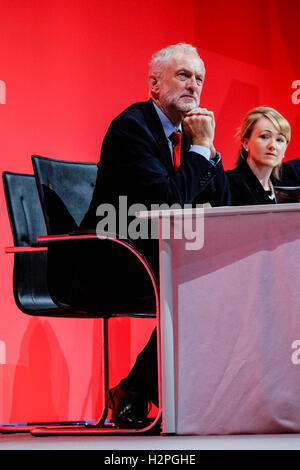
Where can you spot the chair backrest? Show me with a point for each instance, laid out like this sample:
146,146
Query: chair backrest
24,209
89,275
65,189
27,222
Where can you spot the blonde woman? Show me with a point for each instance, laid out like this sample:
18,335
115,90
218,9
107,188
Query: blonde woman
264,136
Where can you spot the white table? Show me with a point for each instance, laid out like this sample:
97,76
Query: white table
230,320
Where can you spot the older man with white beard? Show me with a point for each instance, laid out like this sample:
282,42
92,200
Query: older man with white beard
158,152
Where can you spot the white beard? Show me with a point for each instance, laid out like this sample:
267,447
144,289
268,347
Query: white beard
180,104
185,107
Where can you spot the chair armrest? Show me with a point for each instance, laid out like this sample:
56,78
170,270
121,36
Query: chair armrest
24,249
46,239
76,235
127,244
43,240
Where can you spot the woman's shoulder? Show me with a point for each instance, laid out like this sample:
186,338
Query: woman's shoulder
239,173
244,186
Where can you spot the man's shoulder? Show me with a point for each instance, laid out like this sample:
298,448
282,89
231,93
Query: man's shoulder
135,111
138,118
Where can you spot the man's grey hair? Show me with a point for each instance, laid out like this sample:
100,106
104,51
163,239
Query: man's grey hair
160,59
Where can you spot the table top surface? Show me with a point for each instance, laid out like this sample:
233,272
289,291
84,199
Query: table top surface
219,211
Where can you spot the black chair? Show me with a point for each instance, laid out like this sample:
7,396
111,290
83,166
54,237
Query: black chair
121,282
30,285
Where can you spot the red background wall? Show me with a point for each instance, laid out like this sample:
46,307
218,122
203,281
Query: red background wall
69,67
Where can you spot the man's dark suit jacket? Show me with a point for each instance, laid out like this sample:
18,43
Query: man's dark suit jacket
136,162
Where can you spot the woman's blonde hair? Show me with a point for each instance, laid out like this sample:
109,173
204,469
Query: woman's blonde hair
248,124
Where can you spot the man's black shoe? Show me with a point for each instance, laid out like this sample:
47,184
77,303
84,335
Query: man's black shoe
129,409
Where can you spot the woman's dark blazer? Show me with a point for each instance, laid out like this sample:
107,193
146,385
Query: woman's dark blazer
245,187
